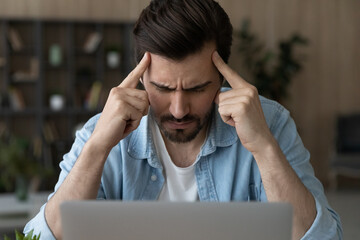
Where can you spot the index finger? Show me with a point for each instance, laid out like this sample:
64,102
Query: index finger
230,75
134,76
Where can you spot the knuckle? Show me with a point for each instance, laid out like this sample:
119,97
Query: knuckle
246,100
119,105
252,91
113,91
255,89
243,107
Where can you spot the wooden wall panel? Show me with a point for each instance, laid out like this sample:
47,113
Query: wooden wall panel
329,84
349,55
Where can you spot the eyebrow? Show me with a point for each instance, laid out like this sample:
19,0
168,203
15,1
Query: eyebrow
202,85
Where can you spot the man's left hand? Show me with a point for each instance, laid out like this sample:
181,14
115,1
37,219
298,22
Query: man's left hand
240,107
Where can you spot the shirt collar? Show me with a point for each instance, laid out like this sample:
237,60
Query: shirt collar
220,135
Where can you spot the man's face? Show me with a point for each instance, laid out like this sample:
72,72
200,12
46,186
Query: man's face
181,93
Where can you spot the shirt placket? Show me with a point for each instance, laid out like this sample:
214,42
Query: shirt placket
205,182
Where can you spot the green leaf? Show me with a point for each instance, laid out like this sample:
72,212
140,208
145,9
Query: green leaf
29,235
19,236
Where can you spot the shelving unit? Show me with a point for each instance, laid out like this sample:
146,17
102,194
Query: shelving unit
73,77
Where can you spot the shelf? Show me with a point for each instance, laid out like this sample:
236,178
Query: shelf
25,51
82,111
23,81
62,67
79,51
49,112
74,77
70,111
4,112
117,69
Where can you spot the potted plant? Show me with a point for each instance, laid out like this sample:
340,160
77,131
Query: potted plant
18,166
20,236
113,56
57,100
270,71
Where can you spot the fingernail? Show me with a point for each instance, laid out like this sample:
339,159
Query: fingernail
216,54
145,56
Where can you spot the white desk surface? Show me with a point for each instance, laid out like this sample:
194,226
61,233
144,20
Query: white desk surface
15,214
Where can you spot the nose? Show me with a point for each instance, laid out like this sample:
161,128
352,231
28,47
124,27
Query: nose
179,106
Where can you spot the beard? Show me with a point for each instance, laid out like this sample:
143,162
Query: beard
182,135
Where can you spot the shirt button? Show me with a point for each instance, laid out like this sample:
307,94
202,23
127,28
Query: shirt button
153,178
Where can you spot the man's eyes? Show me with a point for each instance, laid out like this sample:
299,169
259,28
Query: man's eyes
165,89
196,90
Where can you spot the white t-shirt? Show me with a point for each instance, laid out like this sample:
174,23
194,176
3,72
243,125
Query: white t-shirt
180,183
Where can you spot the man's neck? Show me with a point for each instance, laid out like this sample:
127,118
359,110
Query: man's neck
184,154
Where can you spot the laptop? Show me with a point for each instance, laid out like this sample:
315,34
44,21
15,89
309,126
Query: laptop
94,220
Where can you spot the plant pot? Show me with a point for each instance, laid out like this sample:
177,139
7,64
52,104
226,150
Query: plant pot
113,59
57,102
21,188
55,55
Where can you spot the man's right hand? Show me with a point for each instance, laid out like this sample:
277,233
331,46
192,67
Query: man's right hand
122,113
123,110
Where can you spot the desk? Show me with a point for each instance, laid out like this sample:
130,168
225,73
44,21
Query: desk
15,214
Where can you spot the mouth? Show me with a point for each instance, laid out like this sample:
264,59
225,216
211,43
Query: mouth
178,124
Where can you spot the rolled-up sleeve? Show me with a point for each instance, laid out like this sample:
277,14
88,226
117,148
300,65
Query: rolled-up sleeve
38,224
327,224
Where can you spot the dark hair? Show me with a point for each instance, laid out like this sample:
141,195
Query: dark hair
178,28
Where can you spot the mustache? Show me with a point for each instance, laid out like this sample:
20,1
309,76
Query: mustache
187,118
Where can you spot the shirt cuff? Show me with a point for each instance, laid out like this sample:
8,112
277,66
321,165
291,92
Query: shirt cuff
325,226
40,226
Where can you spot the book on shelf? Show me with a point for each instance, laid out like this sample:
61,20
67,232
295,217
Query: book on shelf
15,40
17,101
50,132
94,96
37,146
92,42
29,75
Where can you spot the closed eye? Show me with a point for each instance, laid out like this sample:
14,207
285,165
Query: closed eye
163,89
196,89
200,89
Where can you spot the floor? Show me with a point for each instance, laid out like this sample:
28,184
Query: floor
347,204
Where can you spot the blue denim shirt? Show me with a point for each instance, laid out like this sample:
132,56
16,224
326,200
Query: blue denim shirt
225,170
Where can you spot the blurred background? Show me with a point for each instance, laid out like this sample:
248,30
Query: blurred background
58,60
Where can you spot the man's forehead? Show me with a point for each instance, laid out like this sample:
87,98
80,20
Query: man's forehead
194,69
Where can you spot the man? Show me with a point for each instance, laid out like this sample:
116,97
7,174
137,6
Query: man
182,138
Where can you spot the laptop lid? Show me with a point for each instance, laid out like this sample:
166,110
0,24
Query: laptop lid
94,220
